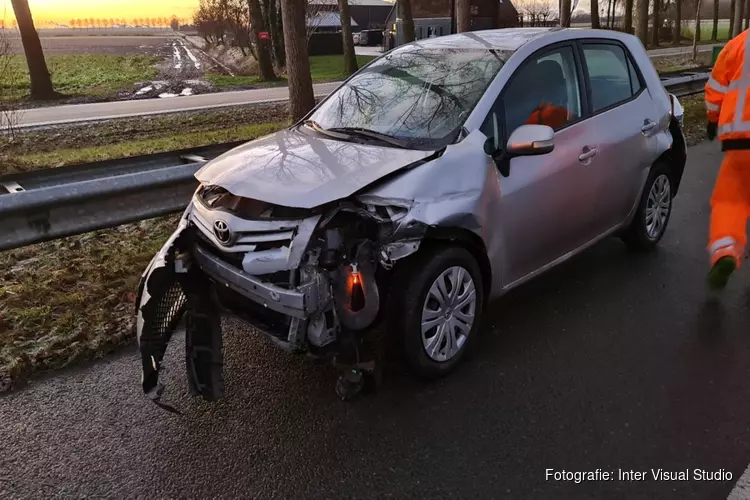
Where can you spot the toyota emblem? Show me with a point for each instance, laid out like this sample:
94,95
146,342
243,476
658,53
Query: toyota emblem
222,232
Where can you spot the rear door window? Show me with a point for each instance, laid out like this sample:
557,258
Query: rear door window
612,77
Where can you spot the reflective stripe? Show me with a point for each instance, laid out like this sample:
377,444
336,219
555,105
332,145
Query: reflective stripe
712,107
742,84
722,243
733,127
717,86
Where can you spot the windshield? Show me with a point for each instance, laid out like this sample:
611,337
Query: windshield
416,95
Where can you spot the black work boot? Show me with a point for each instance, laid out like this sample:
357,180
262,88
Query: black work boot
719,274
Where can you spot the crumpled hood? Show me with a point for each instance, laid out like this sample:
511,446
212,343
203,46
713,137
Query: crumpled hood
295,169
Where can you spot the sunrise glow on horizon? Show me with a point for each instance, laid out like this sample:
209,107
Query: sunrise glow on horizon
61,11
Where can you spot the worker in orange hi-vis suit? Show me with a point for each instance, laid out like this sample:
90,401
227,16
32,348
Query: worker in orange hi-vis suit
548,114
728,113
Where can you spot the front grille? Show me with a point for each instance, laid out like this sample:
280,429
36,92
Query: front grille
232,258
169,309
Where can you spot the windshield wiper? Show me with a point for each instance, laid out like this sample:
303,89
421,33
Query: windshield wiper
371,133
330,133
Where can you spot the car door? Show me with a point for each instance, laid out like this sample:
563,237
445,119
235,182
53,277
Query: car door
547,200
624,117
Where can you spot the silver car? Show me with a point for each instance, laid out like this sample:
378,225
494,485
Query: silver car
438,177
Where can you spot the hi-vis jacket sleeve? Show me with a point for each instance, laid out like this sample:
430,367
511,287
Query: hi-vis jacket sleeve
718,84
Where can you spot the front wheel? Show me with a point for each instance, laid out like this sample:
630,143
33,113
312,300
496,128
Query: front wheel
654,209
441,302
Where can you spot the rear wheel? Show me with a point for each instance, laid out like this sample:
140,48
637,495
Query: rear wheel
653,212
441,299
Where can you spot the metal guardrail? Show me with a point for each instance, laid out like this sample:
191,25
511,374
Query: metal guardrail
687,82
54,203
43,205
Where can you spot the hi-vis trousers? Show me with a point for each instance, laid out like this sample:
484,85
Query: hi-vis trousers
730,207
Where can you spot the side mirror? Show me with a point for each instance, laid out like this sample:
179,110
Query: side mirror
528,140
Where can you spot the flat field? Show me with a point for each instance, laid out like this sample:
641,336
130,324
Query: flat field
83,43
90,65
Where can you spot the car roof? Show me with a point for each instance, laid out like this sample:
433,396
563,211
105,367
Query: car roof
504,39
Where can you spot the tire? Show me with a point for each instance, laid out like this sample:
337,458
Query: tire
410,295
659,190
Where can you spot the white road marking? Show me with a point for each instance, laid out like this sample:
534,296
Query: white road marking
741,490
191,56
177,56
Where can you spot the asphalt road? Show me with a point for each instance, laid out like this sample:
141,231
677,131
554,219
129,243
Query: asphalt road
611,361
74,113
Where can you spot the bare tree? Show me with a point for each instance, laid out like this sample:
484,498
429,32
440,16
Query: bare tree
536,11
313,15
350,57
565,11
41,81
715,29
697,31
657,23
595,14
8,115
264,51
301,97
463,15
641,28
628,16
407,20
677,26
737,25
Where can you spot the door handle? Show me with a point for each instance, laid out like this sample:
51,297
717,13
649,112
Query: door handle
648,125
587,153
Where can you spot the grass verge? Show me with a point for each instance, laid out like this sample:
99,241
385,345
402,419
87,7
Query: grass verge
81,74
73,299
322,69
126,137
669,64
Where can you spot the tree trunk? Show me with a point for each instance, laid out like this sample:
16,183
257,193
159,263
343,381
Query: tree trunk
629,16
743,8
731,17
265,63
41,81
463,15
565,13
595,14
641,29
737,21
350,58
697,31
698,24
747,15
657,22
278,36
301,97
407,20
677,28
715,29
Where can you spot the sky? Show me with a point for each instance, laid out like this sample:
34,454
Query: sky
62,11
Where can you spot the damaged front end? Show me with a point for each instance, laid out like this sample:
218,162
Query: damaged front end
309,279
